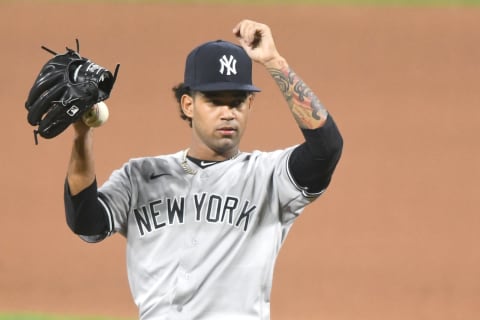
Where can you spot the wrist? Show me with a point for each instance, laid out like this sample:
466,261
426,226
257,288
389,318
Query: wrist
81,130
278,63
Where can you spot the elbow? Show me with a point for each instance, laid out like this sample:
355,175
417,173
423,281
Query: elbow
74,224
337,147
74,228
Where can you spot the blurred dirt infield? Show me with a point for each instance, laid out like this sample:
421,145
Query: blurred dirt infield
395,237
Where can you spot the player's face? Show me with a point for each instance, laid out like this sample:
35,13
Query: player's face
219,120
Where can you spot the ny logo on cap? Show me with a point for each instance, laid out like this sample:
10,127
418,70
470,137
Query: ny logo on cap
228,65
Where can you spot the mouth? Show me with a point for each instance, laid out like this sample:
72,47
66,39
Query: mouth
227,131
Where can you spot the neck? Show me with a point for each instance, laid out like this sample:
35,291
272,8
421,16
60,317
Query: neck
202,163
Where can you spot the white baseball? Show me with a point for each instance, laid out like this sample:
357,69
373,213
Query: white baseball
97,115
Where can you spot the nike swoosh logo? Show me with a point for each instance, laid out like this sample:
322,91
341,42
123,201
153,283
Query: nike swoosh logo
155,176
206,164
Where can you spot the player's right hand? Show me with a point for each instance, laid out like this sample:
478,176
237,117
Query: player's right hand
257,40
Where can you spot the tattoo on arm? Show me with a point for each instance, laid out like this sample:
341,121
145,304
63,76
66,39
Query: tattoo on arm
307,110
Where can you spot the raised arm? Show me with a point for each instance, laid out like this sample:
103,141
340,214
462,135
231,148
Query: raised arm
313,162
84,214
256,38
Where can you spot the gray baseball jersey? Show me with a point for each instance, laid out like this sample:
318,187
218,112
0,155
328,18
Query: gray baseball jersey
203,245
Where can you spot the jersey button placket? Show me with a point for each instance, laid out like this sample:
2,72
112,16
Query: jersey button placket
185,284
194,243
204,175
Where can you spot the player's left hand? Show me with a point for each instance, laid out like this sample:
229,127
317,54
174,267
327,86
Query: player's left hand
66,87
257,40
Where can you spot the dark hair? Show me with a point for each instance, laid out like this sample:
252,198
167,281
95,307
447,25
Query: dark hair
179,90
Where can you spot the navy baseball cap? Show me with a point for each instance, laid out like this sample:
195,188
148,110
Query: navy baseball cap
219,66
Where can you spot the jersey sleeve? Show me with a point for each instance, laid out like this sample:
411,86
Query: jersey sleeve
285,197
115,195
303,172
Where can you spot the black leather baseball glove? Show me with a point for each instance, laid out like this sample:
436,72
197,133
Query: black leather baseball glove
67,86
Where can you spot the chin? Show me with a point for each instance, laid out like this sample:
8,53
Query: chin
225,146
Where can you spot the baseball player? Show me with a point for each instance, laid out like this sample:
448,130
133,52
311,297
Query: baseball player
204,225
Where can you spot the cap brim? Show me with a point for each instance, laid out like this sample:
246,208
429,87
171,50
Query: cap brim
225,86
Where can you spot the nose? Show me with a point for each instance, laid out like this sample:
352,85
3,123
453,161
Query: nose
227,113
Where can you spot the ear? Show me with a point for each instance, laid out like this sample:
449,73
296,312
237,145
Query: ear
187,105
250,98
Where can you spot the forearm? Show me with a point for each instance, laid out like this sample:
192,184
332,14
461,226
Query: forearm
257,40
84,213
304,105
81,168
312,163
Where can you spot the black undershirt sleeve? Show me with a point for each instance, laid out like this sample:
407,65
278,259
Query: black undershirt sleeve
84,213
313,162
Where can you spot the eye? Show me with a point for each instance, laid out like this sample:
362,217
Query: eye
236,103
233,103
215,102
